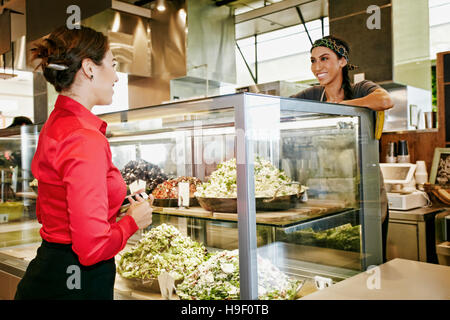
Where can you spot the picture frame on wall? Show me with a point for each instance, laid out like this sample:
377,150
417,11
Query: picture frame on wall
440,168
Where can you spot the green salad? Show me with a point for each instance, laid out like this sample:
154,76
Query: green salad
162,248
218,279
268,179
345,237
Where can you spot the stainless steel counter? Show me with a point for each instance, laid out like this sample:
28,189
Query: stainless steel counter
420,214
411,234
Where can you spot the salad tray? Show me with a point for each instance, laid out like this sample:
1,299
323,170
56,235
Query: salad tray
149,285
229,205
172,203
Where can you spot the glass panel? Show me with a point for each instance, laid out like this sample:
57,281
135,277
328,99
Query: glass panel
316,232
18,200
189,144
182,140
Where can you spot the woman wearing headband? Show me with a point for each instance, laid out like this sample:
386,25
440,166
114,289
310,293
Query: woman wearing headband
330,65
80,190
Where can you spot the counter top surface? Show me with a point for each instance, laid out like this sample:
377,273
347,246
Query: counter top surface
419,214
399,279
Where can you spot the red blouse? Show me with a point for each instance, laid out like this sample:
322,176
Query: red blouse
80,190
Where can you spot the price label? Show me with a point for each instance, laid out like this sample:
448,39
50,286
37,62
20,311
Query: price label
4,218
183,194
166,285
322,282
137,185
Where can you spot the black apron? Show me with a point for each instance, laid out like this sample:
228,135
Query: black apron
57,274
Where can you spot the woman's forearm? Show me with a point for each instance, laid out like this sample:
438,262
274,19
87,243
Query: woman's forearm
379,100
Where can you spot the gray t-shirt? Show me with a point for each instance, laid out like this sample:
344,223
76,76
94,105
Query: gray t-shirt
360,90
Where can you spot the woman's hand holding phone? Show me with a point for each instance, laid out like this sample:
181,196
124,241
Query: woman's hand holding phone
141,210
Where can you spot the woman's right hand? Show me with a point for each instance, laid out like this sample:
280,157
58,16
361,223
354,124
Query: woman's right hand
141,211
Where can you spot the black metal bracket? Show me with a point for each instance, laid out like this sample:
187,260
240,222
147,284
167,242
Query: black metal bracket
299,12
254,76
140,3
222,2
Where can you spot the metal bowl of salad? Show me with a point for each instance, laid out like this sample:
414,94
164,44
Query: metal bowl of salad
166,193
170,203
229,205
161,249
274,190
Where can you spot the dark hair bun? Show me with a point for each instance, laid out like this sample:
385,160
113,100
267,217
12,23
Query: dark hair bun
67,49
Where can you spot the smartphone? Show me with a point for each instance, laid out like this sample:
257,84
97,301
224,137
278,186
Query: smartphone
126,201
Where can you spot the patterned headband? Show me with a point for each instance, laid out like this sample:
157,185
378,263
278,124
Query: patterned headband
337,48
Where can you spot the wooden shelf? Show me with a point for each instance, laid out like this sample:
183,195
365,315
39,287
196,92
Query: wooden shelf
306,211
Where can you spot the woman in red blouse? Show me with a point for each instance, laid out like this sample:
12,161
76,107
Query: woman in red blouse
80,190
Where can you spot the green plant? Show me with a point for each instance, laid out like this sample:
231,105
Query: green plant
434,88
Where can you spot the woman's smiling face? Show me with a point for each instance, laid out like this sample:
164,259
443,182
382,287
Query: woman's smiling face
326,66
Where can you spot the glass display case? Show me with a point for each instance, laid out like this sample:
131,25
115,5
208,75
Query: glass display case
273,194
287,186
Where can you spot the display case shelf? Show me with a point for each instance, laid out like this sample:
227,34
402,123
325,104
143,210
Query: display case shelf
291,219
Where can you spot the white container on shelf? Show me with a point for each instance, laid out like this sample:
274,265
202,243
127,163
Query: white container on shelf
421,174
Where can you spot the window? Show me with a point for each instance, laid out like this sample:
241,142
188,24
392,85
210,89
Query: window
277,52
439,26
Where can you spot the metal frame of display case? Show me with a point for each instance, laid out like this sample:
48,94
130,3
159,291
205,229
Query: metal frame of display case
370,215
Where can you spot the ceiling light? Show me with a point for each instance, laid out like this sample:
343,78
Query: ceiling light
182,15
160,5
116,23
